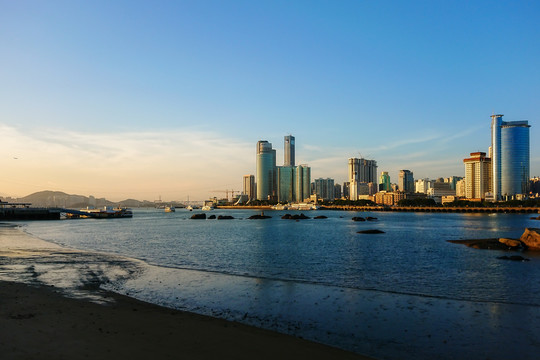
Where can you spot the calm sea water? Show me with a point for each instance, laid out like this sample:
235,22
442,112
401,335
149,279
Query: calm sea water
412,257
320,279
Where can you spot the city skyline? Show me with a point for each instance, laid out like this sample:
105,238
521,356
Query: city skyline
139,101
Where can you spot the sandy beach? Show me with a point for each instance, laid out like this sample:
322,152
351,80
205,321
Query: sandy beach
75,319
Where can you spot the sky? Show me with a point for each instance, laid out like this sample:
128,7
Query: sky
148,99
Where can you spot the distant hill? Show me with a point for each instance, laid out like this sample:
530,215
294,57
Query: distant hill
61,199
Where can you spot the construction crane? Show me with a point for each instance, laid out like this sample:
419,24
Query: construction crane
227,193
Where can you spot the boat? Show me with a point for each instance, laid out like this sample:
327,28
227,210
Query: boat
304,206
207,208
103,213
170,209
280,207
189,207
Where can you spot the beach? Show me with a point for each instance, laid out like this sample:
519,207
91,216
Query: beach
52,307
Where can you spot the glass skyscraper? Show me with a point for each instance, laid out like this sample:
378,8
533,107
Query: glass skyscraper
509,157
289,151
266,171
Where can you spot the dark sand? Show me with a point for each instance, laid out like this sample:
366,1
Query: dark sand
41,323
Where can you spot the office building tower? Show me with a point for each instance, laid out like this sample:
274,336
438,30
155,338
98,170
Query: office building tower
423,185
406,181
346,190
302,177
249,187
289,151
385,182
478,176
285,184
337,191
324,189
510,157
452,180
460,188
361,171
266,171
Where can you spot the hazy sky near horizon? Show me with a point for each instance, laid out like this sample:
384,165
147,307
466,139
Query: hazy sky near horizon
137,99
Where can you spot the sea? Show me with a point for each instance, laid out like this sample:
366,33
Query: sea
406,293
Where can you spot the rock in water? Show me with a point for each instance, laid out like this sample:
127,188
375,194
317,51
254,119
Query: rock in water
225,217
212,217
531,238
358,218
513,258
513,243
321,217
371,231
199,216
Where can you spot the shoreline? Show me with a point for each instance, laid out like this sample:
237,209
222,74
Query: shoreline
75,318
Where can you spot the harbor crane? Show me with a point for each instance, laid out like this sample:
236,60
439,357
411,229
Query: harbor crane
227,193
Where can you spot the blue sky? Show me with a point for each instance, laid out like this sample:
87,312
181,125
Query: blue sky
136,99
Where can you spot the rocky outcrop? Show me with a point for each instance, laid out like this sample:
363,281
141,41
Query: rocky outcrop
211,217
370,218
512,243
225,217
294,217
371,231
198,216
513,258
358,218
261,216
321,217
531,238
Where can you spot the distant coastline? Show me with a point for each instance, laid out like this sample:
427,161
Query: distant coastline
439,209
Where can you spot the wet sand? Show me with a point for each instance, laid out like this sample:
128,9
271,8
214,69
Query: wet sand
75,319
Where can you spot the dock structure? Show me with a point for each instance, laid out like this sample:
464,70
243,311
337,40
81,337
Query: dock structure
23,211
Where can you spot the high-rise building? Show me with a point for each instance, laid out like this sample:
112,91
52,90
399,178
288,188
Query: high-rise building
266,171
337,191
289,151
302,177
385,182
324,188
361,171
478,176
423,185
249,187
510,157
346,190
285,184
406,181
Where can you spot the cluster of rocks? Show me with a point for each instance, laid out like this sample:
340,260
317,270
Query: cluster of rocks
261,216
359,218
530,239
202,216
294,217
535,218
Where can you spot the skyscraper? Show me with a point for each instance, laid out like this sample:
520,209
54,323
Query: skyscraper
406,181
324,188
266,171
289,151
478,176
385,182
302,175
249,187
510,157
361,171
